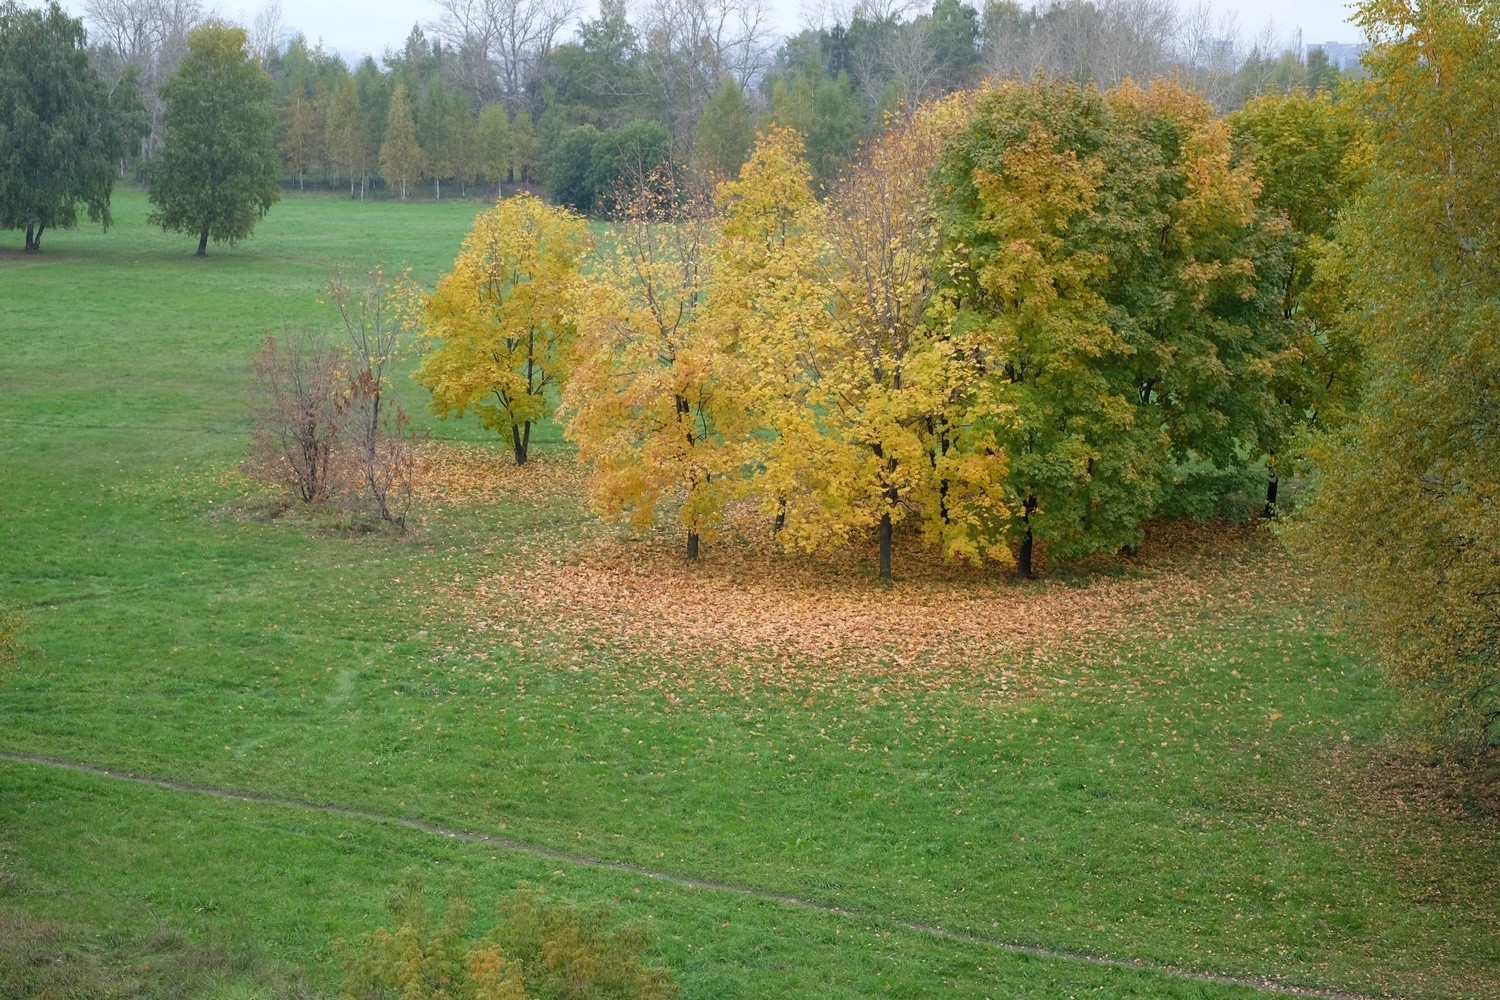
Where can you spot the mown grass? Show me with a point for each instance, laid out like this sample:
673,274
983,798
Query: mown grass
1220,792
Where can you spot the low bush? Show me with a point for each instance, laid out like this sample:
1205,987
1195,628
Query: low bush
539,949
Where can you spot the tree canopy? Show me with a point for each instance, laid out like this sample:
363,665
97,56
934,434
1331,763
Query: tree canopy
216,173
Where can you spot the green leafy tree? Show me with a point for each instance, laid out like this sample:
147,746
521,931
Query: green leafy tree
438,135
302,138
1108,263
346,136
502,318
725,133
216,173
494,144
61,133
401,157
524,149
1404,509
626,156
570,169
1307,156
826,111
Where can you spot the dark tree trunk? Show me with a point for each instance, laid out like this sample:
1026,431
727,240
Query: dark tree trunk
1271,485
36,244
1023,558
202,244
692,546
885,548
520,440
1024,568
780,521
30,236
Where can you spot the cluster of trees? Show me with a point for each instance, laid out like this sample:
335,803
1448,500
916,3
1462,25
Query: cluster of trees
1016,317
503,93
64,132
1014,320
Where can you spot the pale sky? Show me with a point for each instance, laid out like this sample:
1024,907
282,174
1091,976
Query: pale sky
355,27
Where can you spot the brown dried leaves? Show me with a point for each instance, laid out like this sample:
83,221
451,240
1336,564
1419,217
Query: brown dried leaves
750,616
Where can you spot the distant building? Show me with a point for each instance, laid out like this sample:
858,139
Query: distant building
1344,55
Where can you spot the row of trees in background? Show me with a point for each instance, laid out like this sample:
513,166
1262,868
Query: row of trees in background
498,95
521,91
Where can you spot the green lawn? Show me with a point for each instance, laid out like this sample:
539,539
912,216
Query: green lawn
1218,793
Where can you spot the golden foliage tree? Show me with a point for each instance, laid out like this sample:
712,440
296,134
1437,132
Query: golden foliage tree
868,393
646,403
502,318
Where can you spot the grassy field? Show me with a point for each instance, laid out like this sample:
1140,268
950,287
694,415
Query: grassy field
1169,762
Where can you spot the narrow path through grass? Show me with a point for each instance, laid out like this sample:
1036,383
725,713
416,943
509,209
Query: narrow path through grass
520,847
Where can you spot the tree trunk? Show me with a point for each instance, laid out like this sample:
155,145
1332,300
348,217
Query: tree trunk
1271,485
202,244
437,189
36,244
520,440
1023,558
885,548
692,546
780,521
1024,568
30,237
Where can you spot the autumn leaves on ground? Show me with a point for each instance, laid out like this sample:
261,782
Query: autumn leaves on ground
752,616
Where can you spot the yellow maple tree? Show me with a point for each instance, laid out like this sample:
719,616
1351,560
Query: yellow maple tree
645,404
502,318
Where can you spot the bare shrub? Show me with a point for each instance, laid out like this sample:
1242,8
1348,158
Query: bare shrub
321,422
295,413
381,441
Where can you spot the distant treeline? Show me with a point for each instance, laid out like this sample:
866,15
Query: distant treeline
529,92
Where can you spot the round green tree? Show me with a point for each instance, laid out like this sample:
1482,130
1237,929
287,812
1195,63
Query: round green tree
216,173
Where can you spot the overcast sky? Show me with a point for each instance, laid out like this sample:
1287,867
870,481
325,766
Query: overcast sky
355,27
